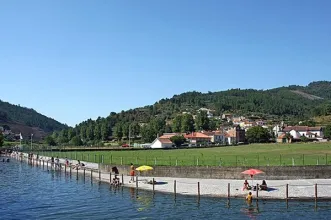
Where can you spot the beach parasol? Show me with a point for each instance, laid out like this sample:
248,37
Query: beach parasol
144,168
252,172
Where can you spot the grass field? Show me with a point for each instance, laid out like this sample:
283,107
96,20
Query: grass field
244,155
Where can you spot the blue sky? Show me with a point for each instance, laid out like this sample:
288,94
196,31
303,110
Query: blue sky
74,60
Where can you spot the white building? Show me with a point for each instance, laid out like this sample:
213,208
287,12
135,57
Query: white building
162,143
310,132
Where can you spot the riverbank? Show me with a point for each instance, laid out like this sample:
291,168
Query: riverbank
277,189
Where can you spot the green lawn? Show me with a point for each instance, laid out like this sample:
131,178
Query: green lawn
244,155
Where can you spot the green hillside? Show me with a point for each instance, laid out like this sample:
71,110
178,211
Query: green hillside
25,120
291,104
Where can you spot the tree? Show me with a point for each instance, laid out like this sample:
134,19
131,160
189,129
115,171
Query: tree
167,129
90,132
71,133
327,132
212,125
63,137
49,140
126,130
187,124
147,134
177,123
97,132
258,134
157,126
118,131
304,139
76,141
105,131
82,132
202,121
178,140
1,139
135,129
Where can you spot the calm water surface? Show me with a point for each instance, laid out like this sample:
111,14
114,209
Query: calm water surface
28,192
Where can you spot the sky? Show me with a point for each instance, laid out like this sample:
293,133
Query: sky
73,60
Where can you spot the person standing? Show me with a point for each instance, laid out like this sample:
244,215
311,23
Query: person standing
132,172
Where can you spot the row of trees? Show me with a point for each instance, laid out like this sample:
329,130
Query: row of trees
90,132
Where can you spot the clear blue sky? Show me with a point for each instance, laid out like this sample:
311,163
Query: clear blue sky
73,59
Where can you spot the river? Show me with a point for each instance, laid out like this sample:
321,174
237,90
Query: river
28,192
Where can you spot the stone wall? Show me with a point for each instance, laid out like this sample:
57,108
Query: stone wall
271,172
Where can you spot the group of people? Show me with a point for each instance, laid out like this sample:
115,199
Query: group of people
263,186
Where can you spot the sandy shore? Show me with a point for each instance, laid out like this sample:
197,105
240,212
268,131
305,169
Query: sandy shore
304,188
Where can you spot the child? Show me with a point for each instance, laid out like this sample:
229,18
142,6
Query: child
249,197
132,172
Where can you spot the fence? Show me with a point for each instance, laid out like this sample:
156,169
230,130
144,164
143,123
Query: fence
216,160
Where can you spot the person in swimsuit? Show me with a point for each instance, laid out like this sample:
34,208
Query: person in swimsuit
132,172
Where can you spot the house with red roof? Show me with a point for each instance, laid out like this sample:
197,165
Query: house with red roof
310,132
162,143
197,138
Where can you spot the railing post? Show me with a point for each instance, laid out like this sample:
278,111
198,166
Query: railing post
84,174
315,192
77,173
257,191
91,174
122,179
99,175
109,177
228,190
137,182
175,188
153,187
286,191
198,190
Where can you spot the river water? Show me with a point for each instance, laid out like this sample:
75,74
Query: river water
28,192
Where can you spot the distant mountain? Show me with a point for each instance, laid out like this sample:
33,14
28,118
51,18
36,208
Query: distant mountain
27,121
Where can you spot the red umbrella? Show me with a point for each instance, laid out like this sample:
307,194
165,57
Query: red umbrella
252,172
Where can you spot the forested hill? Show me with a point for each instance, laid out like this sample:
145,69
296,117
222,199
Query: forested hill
289,103
21,117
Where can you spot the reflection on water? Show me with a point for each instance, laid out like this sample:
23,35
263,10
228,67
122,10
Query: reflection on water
29,192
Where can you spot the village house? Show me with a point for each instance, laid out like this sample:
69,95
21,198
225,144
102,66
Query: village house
283,139
209,112
310,132
227,117
216,136
236,135
162,143
197,138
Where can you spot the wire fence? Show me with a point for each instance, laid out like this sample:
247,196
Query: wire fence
226,161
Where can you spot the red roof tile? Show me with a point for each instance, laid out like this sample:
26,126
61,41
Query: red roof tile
165,140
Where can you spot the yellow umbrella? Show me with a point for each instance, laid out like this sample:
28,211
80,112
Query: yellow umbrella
144,168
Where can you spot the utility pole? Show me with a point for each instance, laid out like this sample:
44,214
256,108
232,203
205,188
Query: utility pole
130,135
